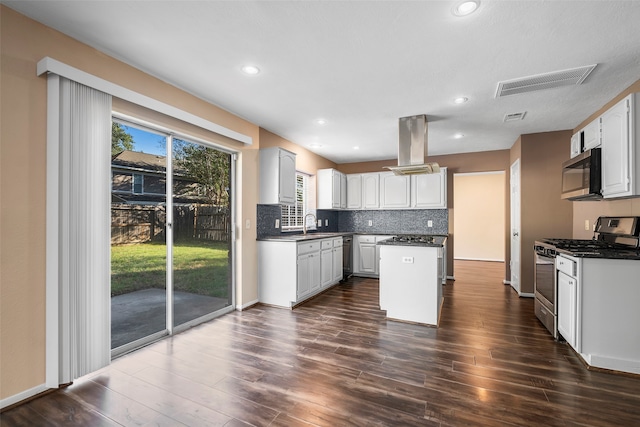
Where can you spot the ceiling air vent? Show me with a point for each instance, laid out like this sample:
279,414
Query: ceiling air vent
574,76
513,117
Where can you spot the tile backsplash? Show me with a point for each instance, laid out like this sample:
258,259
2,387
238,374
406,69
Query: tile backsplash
410,221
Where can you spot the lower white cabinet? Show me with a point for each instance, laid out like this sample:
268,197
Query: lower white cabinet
290,272
337,260
326,261
308,275
366,259
598,310
567,287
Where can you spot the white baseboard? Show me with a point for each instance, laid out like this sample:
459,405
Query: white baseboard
506,282
16,398
247,305
526,295
451,278
478,259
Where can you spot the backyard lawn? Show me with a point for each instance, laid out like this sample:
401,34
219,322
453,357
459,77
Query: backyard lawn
199,267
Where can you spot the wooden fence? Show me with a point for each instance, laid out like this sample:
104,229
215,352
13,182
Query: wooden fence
145,223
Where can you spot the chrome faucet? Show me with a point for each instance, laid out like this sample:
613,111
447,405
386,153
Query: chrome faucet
304,222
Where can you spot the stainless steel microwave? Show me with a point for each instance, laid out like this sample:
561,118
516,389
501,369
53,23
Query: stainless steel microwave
582,176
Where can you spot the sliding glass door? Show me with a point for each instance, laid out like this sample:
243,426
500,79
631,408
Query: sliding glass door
170,234
201,231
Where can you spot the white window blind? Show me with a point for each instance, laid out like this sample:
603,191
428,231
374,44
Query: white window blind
293,215
78,202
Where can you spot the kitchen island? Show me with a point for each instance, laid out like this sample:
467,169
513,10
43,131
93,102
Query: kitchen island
411,278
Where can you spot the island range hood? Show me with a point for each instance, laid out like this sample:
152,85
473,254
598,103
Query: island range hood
412,147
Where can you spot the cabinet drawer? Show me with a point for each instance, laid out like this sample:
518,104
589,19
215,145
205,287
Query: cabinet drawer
366,239
308,247
566,265
326,244
337,242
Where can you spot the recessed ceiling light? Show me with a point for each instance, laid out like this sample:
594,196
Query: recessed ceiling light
458,135
315,145
252,70
356,148
461,100
321,121
466,7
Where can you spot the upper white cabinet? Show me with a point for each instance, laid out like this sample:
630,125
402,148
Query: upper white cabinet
332,189
620,157
370,190
395,191
591,135
354,191
277,176
429,191
576,144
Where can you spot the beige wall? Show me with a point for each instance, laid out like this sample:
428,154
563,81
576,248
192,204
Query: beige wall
22,183
590,211
480,216
486,161
543,212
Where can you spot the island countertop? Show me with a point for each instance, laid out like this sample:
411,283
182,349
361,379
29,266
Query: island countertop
434,241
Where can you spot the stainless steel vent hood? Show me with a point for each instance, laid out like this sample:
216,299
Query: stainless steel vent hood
412,147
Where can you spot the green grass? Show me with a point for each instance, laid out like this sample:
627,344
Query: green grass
199,267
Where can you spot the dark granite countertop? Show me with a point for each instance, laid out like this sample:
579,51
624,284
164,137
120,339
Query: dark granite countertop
302,237
630,254
438,242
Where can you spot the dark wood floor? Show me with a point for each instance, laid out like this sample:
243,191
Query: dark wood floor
336,361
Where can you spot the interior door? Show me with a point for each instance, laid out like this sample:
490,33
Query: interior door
515,226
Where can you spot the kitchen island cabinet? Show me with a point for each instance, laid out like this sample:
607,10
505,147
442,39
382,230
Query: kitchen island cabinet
410,286
366,255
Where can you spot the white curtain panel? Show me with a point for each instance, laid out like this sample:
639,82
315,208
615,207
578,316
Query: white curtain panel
84,336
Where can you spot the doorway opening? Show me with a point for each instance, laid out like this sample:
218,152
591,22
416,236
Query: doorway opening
479,216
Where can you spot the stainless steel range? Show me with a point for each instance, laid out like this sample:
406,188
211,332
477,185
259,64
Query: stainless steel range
614,237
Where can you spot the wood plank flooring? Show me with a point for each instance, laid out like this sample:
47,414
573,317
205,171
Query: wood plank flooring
336,361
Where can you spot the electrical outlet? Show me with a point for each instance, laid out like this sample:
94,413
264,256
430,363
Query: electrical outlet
407,260
319,223
277,223
247,224
370,223
326,222
586,224
429,223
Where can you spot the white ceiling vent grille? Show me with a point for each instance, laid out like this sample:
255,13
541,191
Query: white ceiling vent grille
513,117
574,76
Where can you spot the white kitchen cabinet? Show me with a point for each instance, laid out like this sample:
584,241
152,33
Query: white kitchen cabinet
354,191
332,189
429,191
567,307
337,260
371,190
597,310
366,255
620,157
576,144
591,135
277,176
395,191
290,272
326,262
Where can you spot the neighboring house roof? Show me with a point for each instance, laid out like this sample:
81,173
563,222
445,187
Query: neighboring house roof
139,160
144,162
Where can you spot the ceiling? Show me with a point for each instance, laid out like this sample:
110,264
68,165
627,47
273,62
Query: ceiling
361,65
